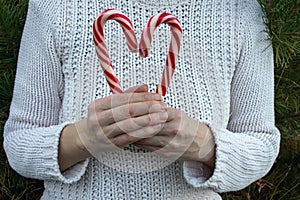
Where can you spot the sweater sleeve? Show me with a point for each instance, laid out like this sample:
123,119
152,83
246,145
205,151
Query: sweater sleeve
248,147
32,132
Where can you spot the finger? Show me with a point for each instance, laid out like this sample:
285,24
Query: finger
119,99
138,88
146,132
133,124
124,112
157,141
148,147
125,139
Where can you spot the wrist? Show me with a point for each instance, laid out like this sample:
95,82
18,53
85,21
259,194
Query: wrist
207,149
70,148
80,128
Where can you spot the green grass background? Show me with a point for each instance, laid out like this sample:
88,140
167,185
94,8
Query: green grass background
283,27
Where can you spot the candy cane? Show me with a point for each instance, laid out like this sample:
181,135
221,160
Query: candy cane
101,50
145,45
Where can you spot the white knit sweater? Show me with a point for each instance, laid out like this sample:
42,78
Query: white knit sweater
224,78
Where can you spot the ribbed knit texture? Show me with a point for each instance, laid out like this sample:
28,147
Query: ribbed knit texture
224,78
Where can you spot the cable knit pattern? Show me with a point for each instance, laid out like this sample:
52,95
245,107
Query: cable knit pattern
224,78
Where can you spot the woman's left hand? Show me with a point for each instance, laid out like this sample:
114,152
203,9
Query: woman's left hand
182,138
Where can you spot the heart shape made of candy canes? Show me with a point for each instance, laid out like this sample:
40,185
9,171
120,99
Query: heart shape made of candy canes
144,46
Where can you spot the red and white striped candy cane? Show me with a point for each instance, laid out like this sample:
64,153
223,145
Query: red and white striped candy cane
174,48
101,49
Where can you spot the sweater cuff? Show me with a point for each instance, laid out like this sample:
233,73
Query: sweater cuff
241,158
70,175
200,175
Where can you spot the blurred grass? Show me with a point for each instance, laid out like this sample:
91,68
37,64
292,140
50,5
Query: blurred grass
283,181
283,27
12,18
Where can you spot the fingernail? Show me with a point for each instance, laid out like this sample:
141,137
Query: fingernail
156,97
163,115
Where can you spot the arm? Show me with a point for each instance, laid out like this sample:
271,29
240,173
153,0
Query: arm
32,132
247,149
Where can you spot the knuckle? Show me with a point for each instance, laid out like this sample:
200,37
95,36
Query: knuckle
130,110
127,126
126,111
146,96
93,120
151,105
99,136
175,145
142,121
175,128
124,97
147,131
107,132
178,114
148,119
101,117
127,139
91,107
100,103
110,117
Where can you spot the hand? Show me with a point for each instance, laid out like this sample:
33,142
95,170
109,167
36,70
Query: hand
182,137
121,119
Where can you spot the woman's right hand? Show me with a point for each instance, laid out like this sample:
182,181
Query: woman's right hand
121,119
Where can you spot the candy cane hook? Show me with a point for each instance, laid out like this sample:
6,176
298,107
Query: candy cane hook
101,49
174,48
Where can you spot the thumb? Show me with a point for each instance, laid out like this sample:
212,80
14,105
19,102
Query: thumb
138,88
